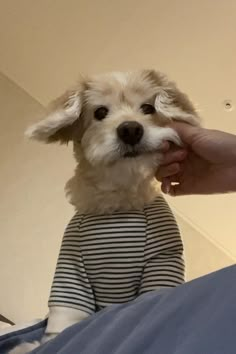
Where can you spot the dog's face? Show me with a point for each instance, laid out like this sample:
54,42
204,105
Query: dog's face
116,116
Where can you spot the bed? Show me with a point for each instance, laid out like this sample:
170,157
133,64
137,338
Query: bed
198,317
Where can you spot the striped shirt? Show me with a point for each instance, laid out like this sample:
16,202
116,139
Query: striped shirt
107,259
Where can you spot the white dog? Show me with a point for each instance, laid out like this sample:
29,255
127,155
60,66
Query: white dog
123,240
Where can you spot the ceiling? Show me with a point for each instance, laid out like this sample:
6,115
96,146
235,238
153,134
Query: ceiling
46,44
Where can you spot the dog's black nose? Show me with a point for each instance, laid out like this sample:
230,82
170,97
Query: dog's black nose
130,132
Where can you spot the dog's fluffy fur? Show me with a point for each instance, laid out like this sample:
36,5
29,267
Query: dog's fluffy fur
106,179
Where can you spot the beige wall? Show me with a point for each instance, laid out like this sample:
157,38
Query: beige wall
34,212
202,256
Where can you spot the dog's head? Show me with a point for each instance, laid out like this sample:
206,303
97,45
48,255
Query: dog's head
116,116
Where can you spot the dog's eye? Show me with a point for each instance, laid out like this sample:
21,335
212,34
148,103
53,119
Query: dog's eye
101,112
147,108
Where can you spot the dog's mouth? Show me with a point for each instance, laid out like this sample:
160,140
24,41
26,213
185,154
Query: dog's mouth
127,151
131,154
137,151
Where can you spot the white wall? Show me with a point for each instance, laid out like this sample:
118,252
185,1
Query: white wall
34,212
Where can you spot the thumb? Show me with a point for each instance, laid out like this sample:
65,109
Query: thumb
186,132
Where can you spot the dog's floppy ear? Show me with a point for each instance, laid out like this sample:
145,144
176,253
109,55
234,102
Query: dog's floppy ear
174,104
59,124
170,102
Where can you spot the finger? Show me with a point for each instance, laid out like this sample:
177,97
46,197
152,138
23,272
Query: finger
176,190
186,131
166,185
164,147
168,182
173,156
172,189
167,171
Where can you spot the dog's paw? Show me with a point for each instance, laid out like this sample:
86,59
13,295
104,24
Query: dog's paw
48,337
24,348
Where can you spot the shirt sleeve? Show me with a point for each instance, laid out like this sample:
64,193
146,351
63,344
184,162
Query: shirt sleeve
163,255
71,298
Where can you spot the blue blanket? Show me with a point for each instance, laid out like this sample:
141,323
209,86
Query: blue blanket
198,317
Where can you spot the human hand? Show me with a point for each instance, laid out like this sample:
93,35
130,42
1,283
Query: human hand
205,164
